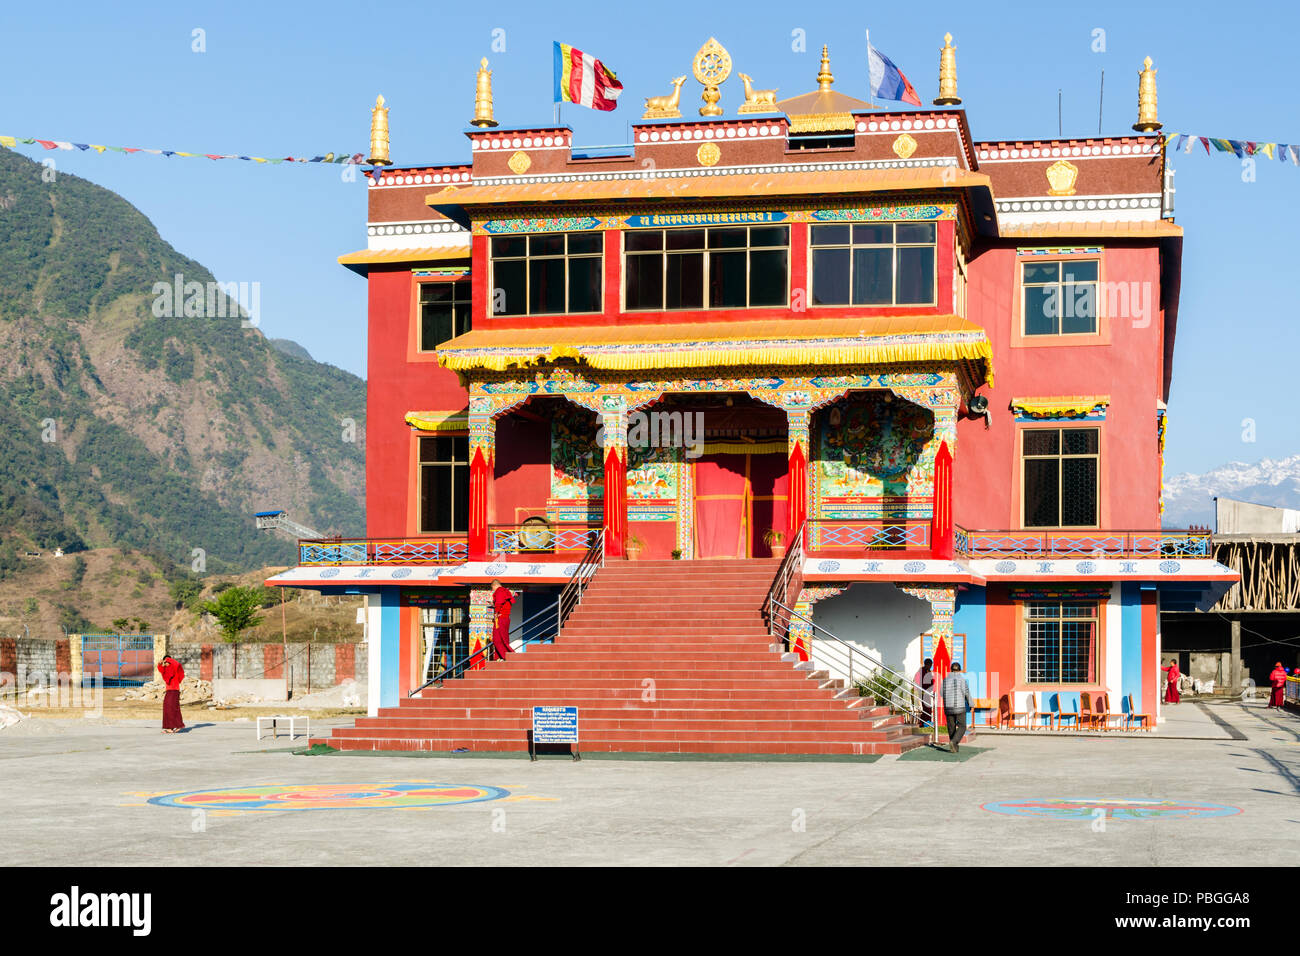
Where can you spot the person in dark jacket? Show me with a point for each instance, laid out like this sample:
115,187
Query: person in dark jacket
956,702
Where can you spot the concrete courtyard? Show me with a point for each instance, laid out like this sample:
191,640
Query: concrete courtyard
76,792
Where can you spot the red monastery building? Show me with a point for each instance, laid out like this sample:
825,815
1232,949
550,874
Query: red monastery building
758,407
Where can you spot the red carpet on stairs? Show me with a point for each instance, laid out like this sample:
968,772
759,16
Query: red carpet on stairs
660,656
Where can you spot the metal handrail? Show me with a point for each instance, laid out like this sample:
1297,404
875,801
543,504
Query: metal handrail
789,571
569,599
900,693
1082,543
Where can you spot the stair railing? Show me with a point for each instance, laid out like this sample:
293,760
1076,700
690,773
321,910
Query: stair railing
896,691
785,585
544,624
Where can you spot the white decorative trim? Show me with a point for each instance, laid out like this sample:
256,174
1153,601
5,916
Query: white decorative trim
402,177
1031,153
433,234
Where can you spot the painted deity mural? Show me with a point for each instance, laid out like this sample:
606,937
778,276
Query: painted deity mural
578,469
872,446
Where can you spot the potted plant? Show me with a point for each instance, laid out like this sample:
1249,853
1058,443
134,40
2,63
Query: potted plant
633,546
775,541
677,554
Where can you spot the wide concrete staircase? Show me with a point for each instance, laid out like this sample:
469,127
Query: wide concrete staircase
660,656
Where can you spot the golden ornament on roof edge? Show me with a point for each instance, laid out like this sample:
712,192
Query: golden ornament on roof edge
708,154
712,66
1061,176
520,163
904,146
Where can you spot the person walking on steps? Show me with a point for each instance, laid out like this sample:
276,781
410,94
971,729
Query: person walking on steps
956,702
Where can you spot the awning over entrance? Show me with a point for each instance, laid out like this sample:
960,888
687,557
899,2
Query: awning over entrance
439,421
835,341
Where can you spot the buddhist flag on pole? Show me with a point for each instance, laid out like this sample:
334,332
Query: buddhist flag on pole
581,78
886,80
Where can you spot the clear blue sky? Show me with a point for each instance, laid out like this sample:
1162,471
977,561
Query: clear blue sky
281,78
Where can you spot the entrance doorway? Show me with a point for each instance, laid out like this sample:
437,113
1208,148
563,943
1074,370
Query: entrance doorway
739,496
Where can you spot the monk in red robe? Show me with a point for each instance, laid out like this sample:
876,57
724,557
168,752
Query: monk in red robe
1171,683
1278,681
172,675
502,601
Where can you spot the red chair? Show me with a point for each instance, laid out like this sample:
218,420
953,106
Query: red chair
1087,719
1007,717
1104,715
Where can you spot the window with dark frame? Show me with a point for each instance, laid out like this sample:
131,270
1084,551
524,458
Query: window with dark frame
444,484
1059,298
547,273
879,263
729,267
444,312
1060,642
1060,476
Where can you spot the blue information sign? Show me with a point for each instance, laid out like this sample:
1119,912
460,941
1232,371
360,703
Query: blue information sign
555,725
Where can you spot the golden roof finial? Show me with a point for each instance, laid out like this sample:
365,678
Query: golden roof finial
824,78
947,74
379,134
483,117
1147,122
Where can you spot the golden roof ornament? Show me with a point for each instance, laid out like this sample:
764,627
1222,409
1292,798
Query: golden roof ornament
1061,177
483,117
1147,119
947,74
665,107
712,67
756,101
379,134
824,77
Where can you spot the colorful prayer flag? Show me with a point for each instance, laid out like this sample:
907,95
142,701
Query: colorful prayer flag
581,78
886,80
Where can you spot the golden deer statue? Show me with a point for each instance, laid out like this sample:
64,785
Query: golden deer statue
757,101
665,107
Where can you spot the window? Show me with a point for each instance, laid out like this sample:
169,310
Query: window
1060,642
444,484
547,273
444,312
1060,476
735,267
1060,298
885,263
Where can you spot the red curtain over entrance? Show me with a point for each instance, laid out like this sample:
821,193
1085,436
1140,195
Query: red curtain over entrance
737,499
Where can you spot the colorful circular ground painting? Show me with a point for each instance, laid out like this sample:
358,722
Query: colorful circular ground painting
1087,809
332,796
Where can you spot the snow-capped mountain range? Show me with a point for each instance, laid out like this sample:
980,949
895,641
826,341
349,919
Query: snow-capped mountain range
1189,498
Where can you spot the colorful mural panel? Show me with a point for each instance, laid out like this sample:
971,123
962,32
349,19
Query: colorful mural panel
577,466
872,446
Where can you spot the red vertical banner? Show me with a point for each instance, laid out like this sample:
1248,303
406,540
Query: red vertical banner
941,525
478,510
797,508
615,517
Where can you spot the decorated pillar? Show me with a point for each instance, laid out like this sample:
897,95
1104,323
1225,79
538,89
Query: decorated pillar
797,506
941,525
480,622
482,435
614,445
799,637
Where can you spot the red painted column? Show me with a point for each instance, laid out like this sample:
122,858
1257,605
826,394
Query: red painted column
615,514
479,475
941,526
797,489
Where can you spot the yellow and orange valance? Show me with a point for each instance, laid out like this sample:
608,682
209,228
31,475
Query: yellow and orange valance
1072,406
362,259
834,341
439,421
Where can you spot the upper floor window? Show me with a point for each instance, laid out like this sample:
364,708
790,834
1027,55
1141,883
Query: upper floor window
732,267
444,484
1060,642
1060,298
1060,476
444,312
547,273
880,263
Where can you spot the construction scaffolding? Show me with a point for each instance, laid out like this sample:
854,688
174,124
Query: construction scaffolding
1269,565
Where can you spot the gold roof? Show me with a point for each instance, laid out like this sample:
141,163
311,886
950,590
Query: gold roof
858,340
362,258
1083,230
712,187
823,110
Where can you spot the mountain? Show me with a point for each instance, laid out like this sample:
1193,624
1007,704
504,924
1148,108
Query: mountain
127,424
290,347
1189,498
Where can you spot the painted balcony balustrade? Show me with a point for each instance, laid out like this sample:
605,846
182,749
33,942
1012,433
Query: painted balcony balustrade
540,538
449,549
1097,544
828,534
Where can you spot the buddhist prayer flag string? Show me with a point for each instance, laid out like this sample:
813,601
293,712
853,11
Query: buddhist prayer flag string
346,159
1241,148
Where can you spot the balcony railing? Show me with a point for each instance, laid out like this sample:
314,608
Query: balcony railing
449,549
1082,544
540,538
827,534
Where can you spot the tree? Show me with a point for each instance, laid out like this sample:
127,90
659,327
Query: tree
120,624
235,610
